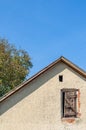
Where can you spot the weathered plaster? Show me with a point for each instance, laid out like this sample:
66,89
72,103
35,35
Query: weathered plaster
38,105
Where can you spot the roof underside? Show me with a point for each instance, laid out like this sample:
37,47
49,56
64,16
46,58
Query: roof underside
61,59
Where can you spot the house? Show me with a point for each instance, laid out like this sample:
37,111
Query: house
53,99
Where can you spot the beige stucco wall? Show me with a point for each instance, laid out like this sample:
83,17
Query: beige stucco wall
38,105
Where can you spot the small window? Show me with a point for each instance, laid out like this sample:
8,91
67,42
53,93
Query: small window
60,78
69,102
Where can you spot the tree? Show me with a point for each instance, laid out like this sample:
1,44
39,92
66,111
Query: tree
14,66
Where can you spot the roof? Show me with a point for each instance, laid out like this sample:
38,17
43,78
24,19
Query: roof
61,59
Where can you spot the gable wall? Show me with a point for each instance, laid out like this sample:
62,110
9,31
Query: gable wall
38,105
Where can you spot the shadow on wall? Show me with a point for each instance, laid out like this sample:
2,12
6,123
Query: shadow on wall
30,88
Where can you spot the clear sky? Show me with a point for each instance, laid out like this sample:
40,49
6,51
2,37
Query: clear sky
46,29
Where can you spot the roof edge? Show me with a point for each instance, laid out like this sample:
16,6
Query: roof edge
61,59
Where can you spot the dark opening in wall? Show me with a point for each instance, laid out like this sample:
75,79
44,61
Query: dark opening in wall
60,78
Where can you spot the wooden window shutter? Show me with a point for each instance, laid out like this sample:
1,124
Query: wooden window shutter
69,103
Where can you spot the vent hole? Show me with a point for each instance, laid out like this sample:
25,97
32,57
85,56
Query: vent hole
60,78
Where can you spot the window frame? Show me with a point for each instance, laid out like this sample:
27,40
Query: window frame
63,93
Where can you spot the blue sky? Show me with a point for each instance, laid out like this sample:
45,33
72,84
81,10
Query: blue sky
46,29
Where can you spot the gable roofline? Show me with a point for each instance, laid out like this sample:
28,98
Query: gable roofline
61,59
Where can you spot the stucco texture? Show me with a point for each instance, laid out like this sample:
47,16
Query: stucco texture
37,106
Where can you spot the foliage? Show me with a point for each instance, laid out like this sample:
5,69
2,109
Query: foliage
14,66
